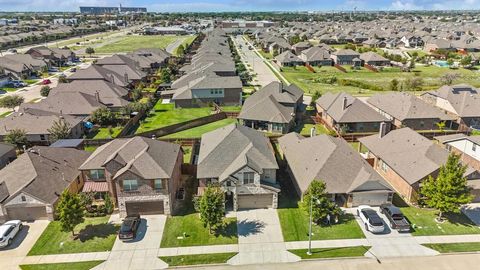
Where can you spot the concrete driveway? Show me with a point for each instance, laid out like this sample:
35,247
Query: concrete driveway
11,256
260,238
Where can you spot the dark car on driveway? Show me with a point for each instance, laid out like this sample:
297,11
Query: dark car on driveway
395,217
129,227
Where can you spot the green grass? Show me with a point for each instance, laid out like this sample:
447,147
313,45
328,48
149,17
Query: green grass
215,258
423,223
165,114
231,108
132,43
104,133
8,89
338,252
186,43
90,148
187,153
294,222
430,75
305,129
61,266
355,145
197,235
5,114
455,247
31,81
197,132
94,235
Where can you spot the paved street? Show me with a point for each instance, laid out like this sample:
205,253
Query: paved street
174,45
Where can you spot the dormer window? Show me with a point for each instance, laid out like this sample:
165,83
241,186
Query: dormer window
97,174
158,184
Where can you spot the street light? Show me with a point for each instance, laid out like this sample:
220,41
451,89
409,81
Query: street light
309,252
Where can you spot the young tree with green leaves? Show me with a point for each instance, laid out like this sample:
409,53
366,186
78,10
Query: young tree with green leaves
45,91
394,85
211,206
16,137
70,211
449,190
12,101
103,116
466,61
180,50
316,95
322,205
89,51
166,75
60,130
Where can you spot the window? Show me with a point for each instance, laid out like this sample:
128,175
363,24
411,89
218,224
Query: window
474,147
24,199
158,184
248,177
42,137
384,166
97,174
422,123
212,92
130,185
229,183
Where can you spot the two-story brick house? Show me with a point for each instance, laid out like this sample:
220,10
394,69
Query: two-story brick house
142,174
242,161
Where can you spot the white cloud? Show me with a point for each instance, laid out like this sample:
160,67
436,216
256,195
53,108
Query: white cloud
405,5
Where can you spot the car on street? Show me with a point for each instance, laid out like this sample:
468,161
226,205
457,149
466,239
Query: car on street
46,81
8,231
129,227
395,217
372,221
73,69
18,84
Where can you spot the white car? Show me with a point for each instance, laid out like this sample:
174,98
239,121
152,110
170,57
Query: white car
8,231
372,221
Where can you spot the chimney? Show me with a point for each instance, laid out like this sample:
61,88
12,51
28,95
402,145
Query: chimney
383,129
97,96
112,80
345,103
126,78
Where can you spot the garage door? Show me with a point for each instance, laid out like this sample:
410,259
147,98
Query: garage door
476,195
369,198
27,213
145,208
255,201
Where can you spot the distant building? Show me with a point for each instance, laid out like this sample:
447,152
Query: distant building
169,30
64,21
112,10
247,24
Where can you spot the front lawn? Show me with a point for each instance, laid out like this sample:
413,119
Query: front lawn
295,222
197,132
455,247
198,259
61,266
94,235
166,114
132,43
196,234
423,223
338,252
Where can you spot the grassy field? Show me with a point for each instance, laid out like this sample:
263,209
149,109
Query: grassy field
215,258
295,222
197,132
166,114
311,82
104,133
423,223
94,235
132,43
455,247
196,234
61,266
186,42
323,253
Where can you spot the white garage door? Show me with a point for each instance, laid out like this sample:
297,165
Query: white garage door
369,198
255,201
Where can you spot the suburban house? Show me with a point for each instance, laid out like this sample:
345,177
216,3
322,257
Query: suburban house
288,59
123,65
21,66
55,56
142,175
462,101
7,154
36,126
374,59
96,72
467,147
439,44
150,59
406,110
316,56
300,46
242,161
347,114
323,158
412,41
272,108
346,57
405,158
31,185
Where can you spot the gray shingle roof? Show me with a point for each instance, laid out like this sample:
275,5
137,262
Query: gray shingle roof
464,98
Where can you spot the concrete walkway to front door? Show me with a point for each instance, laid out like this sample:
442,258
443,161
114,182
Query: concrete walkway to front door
260,238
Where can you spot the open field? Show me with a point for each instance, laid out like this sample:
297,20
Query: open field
132,43
187,42
311,82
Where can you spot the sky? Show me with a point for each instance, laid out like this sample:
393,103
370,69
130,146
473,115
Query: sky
241,5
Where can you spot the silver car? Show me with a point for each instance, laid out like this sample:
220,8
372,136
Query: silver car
8,231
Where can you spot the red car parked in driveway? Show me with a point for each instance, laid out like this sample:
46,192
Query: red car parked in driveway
46,81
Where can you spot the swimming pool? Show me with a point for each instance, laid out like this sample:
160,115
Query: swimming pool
441,63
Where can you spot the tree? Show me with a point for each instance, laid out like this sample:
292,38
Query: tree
449,190
103,116
316,95
10,102
466,61
70,211
180,50
294,39
450,62
89,51
137,94
393,85
166,75
108,204
441,125
323,206
45,90
211,206
16,137
414,84
412,63
448,78
135,107
59,130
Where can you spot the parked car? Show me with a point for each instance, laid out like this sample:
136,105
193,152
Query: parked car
73,69
46,81
395,217
12,50
52,69
18,84
129,227
8,231
372,221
